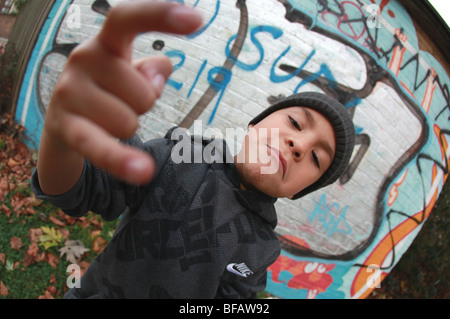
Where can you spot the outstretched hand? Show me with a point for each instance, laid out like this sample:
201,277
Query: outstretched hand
101,91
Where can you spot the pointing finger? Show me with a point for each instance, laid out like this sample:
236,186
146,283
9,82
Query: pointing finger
128,19
123,162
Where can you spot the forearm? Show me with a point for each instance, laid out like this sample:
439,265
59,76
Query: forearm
59,167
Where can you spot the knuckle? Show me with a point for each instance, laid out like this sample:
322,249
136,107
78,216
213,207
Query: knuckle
78,55
78,140
53,127
63,89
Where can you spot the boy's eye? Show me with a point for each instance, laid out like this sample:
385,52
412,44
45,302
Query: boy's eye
316,159
295,123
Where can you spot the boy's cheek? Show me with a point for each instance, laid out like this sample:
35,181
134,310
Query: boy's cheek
270,184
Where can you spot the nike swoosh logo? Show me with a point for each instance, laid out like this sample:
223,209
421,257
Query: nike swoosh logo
239,269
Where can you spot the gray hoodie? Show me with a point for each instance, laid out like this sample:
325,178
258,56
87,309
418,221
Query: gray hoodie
192,232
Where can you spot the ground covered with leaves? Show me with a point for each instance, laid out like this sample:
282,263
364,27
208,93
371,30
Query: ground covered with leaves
38,242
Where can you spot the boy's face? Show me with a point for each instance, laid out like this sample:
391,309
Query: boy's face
286,152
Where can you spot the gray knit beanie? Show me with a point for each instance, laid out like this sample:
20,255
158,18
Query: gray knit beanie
343,126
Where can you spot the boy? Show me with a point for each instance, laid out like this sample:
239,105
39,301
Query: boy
187,230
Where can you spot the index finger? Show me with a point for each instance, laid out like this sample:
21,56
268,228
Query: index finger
128,19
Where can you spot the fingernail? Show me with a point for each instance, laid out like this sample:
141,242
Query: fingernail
156,79
184,12
159,81
183,17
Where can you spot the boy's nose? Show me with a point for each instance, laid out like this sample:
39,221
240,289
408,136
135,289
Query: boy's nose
297,148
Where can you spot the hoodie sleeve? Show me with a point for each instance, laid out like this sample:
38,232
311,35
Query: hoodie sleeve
99,192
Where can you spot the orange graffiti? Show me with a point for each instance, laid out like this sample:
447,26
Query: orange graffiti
393,192
408,90
396,60
360,287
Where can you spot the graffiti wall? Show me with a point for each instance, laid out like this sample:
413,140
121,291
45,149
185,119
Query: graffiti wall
341,241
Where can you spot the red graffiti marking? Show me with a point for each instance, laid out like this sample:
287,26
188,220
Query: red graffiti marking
306,275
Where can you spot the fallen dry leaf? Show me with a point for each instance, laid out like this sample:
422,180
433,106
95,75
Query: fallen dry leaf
73,249
35,233
4,186
46,295
12,162
5,210
16,243
17,202
65,233
52,290
83,222
31,256
3,290
30,211
95,233
56,221
52,260
99,244
34,201
96,223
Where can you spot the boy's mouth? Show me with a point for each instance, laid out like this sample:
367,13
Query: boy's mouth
281,160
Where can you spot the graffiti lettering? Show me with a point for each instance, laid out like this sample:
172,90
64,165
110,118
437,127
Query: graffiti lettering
275,32
178,54
281,78
323,212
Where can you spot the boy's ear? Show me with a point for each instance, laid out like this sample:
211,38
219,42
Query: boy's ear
250,126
